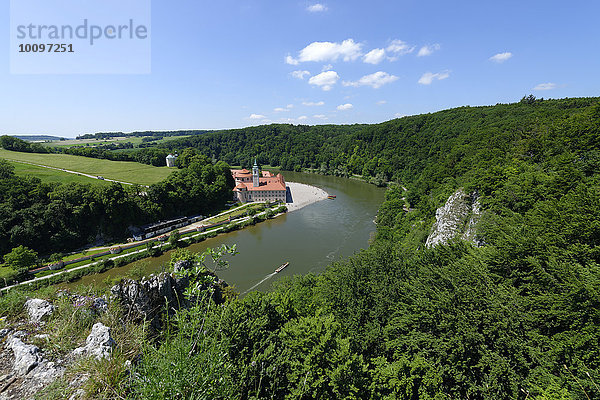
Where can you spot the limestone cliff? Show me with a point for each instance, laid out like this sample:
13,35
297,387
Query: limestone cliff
457,218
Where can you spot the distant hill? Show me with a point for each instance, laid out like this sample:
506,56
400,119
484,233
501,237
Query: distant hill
108,135
38,138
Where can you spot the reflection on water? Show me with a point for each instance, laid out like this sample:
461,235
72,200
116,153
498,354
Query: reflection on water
309,239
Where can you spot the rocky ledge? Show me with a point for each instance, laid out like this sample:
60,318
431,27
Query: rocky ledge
457,218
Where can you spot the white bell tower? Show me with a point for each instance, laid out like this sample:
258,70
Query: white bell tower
255,174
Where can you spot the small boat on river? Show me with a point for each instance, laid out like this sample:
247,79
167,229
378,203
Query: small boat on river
331,196
282,267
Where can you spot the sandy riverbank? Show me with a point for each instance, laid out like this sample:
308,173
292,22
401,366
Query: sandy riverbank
303,195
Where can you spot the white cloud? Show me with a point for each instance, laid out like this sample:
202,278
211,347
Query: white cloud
320,116
375,56
428,50
302,118
300,74
326,67
283,109
427,78
312,103
546,86
399,47
381,102
343,107
317,8
399,115
348,50
257,116
501,57
291,60
376,80
325,80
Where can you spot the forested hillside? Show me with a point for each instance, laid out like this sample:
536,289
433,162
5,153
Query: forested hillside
516,318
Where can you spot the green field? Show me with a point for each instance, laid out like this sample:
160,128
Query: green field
51,175
93,142
124,171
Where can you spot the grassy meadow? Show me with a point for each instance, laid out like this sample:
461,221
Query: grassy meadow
124,171
136,141
53,176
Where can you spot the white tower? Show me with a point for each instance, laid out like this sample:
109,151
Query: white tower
171,160
255,181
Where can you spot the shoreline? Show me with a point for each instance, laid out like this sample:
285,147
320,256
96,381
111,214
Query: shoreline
303,195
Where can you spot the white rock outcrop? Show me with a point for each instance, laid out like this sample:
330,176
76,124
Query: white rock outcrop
38,309
457,218
27,356
99,343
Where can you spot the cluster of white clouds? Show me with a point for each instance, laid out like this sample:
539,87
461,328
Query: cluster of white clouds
257,118
344,107
325,80
349,50
375,80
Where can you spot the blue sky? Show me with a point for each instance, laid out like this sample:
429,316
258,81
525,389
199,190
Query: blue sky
231,64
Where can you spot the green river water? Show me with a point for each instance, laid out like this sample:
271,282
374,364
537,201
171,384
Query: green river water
309,238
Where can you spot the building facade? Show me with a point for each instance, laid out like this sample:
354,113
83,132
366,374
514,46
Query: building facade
256,187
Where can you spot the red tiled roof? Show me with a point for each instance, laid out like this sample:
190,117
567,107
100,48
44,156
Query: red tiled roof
267,182
240,172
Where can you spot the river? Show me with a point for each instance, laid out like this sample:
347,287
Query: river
309,238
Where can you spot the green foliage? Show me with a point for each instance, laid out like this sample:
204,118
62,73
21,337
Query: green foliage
188,365
12,303
201,274
16,144
21,259
174,238
6,169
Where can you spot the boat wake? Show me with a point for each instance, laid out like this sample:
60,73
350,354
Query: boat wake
259,283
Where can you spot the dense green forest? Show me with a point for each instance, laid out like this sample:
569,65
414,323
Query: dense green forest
55,218
518,318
